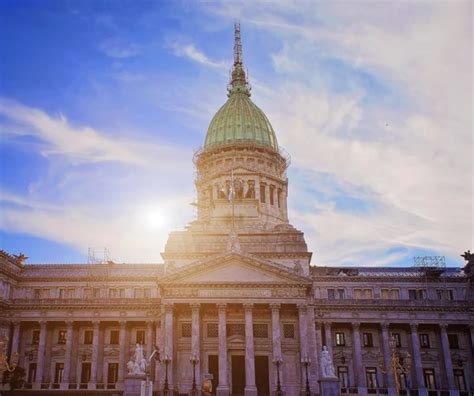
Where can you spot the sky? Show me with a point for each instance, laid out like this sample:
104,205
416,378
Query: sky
103,103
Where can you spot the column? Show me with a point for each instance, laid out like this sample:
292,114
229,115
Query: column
67,356
157,381
169,342
41,355
448,364
95,354
149,338
123,349
276,342
250,388
328,336
314,353
387,360
417,365
16,337
358,367
196,340
303,325
223,386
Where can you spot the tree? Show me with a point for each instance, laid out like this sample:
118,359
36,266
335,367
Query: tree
15,379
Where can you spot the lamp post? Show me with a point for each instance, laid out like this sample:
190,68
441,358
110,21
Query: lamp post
5,364
306,361
398,365
194,360
278,362
166,361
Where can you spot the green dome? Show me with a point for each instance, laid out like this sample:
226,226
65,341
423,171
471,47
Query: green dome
240,120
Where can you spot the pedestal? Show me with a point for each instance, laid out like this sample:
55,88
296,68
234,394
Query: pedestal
330,386
222,391
250,391
132,385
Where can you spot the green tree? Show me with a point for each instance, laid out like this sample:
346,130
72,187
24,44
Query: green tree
15,379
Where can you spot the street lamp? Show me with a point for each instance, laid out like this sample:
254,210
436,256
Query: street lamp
398,365
194,360
278,362
166,361
4,363
306,361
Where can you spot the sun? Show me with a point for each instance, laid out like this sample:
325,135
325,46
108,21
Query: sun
155,217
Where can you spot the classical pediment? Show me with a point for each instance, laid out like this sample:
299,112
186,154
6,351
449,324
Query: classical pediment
232,268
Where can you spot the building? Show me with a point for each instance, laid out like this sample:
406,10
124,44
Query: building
236,291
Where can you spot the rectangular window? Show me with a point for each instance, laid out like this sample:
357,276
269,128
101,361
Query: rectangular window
453,341
343,374
114,337
390,294
186,329
368,339
288,330
459,380
331,294
31,373
429,376
62,293
234,329
37,294
362,294
402,380
279,197
260,330
96,292
58,373
445,294
424,340
87,293
140,337
35,337
112,373
272,193
417,294
263,192
138,293
88,335
85,372
146,293
212,330
398,341
62,337
371,377
113,293
341,294
340,339
122,293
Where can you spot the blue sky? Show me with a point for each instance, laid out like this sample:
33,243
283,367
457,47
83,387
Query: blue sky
102,104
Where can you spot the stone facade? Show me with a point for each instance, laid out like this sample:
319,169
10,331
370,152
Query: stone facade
237,291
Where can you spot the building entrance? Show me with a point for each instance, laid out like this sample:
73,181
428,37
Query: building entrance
262,379
238,375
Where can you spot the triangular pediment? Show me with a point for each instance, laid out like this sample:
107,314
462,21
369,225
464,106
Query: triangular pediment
235,268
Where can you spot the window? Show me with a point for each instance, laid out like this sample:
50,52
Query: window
66,293
368,339
288,330
262,192
113,293
371,377
336,294
96,292
390,294
459,380
186,329
35,337
453,341
279,197
429,376
114,337
31,373
398,340
260,330
343,374
87,292
62,337
37,294
417,294
88,336
212,330
361,294
272,195
445,294
140,337
112,373
424,340
340,339
85,372
58,373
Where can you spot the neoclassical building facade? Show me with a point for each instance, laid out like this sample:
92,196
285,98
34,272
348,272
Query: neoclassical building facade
236,291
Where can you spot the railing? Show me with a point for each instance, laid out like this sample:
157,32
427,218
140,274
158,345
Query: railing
394,303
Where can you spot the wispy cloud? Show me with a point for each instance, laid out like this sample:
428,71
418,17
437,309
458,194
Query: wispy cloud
115,48
191,52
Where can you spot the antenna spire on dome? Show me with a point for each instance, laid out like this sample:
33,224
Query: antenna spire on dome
238,78
237,44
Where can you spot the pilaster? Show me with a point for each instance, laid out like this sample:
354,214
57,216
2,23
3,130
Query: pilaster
358,367
41,355
250,388
223,386
67,356
417,364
